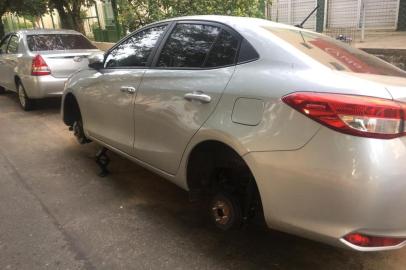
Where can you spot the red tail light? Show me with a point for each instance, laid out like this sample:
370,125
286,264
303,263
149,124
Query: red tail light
39,67
355,115
362,240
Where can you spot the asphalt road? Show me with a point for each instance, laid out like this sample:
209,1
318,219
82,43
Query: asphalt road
56,213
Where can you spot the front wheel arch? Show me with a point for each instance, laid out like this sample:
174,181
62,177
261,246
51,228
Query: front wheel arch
72,117
71,110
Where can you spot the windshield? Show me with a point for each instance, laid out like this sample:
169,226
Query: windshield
336,54
48,42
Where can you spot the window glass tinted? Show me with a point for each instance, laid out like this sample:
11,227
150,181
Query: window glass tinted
336,54
13,45
4,44
188,45
223,52
135,51
247,52
49,42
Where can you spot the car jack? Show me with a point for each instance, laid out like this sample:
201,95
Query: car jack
103,161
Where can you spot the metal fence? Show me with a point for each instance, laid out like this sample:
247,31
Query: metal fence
349,20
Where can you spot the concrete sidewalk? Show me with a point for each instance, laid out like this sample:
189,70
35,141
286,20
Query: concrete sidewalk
388,45
393,40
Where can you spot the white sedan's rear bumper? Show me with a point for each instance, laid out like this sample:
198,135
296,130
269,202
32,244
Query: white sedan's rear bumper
335,185
43,86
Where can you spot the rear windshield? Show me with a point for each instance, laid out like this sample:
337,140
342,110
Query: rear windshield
336,54
48,42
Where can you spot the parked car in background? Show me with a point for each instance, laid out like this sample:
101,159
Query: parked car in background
37,63
262,118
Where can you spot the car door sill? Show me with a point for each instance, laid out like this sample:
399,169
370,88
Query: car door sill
164,174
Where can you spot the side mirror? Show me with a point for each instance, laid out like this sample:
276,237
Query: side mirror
96,61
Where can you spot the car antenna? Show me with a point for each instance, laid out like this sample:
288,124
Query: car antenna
305,20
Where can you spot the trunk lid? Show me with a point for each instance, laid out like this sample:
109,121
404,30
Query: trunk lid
395,85
65,63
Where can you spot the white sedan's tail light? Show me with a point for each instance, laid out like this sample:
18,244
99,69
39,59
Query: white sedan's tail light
355,115
39,67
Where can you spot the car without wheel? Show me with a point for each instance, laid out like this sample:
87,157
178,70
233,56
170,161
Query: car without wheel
264,119
37,63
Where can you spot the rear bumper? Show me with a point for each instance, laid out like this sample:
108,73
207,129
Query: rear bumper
43,86
335,185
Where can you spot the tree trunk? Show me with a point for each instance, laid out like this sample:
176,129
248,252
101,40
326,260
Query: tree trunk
78,23
115,13
1,29
66,22
76,19
2,12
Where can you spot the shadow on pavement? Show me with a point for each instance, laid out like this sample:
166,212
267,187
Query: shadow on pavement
47,104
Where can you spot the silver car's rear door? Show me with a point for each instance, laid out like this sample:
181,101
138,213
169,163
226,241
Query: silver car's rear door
171,106
179,94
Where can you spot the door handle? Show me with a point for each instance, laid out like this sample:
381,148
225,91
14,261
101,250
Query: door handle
199,96
128,89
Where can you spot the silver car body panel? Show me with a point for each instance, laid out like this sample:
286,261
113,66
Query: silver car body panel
313,181
108,106
165,121
62,65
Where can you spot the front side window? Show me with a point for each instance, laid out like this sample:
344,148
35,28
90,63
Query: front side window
136,50
13,45
4,43
188,46
50,42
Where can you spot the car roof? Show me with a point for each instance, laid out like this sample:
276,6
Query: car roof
46,31
235,21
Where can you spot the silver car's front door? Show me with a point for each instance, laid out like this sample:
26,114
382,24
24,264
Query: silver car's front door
179,94
109,107
110,97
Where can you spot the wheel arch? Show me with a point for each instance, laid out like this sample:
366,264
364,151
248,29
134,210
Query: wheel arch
70,109
203,153
209,157
17,80
208,151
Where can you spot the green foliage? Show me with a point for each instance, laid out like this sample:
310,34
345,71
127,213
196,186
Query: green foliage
24,7
136,13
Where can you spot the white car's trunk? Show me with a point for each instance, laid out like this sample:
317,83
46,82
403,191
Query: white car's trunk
395,85
65,63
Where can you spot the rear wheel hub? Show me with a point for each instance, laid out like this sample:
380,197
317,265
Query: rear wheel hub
221,212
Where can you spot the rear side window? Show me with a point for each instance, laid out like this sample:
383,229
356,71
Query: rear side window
136,50
247,52
188,46
13,45
49,42
224,51
336,54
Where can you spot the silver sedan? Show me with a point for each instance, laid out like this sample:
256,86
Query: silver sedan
262,118
37,63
